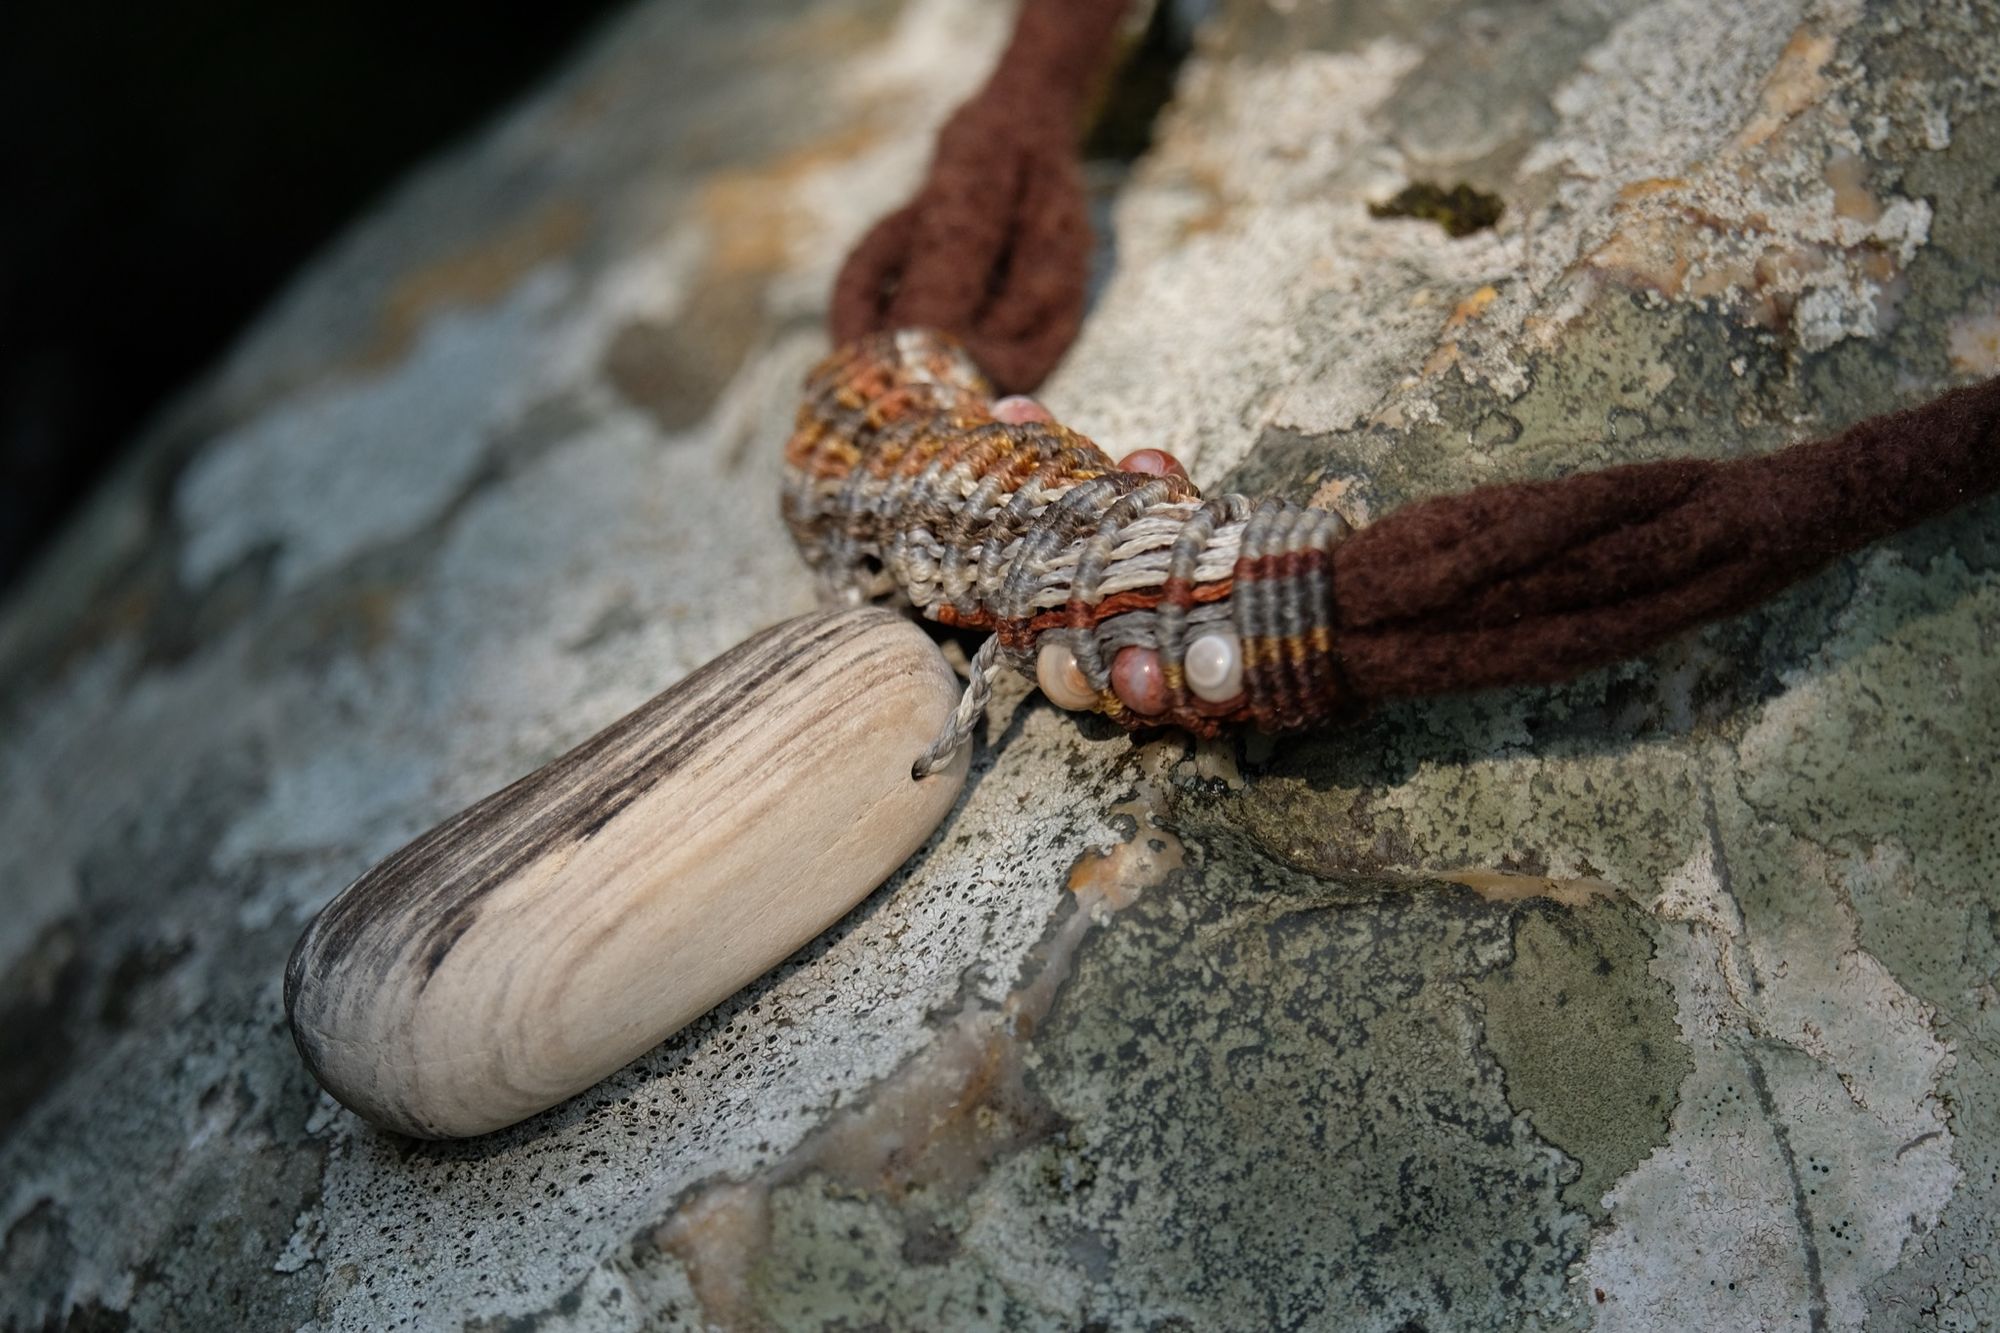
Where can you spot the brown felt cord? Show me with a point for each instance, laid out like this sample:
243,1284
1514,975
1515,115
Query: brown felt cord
1533,582
995,246
1538,581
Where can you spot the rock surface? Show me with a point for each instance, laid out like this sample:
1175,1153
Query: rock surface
1664,1000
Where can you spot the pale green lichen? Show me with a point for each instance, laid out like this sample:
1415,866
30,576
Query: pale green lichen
1588,1041
1281,1110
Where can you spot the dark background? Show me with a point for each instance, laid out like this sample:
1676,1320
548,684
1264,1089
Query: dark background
166,165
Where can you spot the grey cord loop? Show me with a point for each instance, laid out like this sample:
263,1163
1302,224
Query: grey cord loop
971,707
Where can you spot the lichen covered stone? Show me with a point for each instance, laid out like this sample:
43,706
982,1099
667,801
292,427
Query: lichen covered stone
1660,1000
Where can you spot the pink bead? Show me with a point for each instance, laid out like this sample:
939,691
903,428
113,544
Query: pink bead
1138,680
1155,462
1018,410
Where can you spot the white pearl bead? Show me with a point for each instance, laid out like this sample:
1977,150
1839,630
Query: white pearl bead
1062,679
1213,665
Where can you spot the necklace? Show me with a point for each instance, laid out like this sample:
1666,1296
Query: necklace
550,933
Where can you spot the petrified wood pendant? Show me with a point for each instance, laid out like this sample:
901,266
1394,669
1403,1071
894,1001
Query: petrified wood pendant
530,945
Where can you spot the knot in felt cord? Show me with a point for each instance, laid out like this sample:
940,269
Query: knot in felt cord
995,246
906,479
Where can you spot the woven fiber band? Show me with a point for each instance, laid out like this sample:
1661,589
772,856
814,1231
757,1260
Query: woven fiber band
899,483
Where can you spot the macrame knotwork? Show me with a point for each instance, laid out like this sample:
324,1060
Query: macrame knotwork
900,483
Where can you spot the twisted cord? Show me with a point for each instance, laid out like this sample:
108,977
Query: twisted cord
971,707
